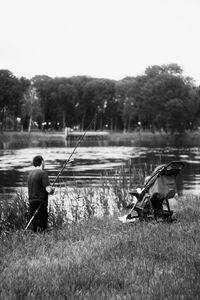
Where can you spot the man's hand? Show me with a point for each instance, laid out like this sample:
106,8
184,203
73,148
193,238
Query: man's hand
50,190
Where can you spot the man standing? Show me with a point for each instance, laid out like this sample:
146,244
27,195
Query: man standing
38,189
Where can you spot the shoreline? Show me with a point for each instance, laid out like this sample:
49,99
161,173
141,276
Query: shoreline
135,138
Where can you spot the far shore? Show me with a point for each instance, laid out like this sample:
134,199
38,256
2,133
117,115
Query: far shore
135,138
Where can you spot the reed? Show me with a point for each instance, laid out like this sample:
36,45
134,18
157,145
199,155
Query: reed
73,204
13,213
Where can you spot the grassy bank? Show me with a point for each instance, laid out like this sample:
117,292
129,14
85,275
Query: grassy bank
16,140
157,139
136,138
13,136
104,259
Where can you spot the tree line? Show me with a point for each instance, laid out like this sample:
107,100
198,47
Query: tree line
160,99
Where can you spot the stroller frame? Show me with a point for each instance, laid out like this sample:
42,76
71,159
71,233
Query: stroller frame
150,206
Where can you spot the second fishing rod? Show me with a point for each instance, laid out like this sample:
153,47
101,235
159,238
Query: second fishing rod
62,169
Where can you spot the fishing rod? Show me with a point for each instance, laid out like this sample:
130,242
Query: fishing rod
62,169
77,145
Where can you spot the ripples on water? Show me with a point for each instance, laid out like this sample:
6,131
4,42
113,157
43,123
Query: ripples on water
90,164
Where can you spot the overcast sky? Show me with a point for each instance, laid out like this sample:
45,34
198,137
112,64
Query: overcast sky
98,38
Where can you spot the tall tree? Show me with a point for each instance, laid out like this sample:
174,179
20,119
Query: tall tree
126,91
163,87
97,94
67,100
47,92
31,108
79,83
10,94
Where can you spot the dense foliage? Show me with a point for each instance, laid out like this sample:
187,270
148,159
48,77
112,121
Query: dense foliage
160,99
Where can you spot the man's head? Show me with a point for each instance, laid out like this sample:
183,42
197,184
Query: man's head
38,161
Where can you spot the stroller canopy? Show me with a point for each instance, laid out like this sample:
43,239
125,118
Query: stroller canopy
162,180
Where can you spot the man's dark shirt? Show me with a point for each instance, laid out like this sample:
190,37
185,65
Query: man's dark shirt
37,182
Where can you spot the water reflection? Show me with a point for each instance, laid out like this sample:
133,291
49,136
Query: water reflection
91,164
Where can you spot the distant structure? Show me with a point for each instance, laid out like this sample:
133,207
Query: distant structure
70,134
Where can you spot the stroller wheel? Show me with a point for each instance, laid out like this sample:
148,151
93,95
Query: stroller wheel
145,216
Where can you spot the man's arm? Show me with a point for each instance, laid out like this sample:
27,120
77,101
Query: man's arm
46,183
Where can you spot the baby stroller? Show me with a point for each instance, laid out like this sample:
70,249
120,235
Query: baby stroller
152,201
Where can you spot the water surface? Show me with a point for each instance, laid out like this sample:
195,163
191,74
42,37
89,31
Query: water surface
93,161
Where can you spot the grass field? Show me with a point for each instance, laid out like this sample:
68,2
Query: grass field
105,259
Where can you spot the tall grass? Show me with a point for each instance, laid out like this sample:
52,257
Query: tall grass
100,258
13,213
73,204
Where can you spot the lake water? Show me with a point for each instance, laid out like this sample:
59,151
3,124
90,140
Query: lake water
93,161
